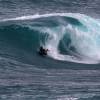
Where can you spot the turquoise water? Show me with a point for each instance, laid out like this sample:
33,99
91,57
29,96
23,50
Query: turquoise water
69,37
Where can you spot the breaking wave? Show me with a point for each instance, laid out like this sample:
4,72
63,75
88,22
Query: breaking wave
70,37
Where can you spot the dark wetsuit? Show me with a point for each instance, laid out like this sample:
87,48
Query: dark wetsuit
43,51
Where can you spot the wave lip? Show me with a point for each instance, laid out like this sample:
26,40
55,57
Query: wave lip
36,16
69,36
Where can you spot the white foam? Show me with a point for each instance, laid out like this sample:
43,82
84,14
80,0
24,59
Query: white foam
52,42
71,98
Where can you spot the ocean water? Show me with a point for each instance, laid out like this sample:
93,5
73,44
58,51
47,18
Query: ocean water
70,29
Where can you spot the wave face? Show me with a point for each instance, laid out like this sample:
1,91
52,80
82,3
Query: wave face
68,36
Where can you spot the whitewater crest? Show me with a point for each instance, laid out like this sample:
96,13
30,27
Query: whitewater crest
69,36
